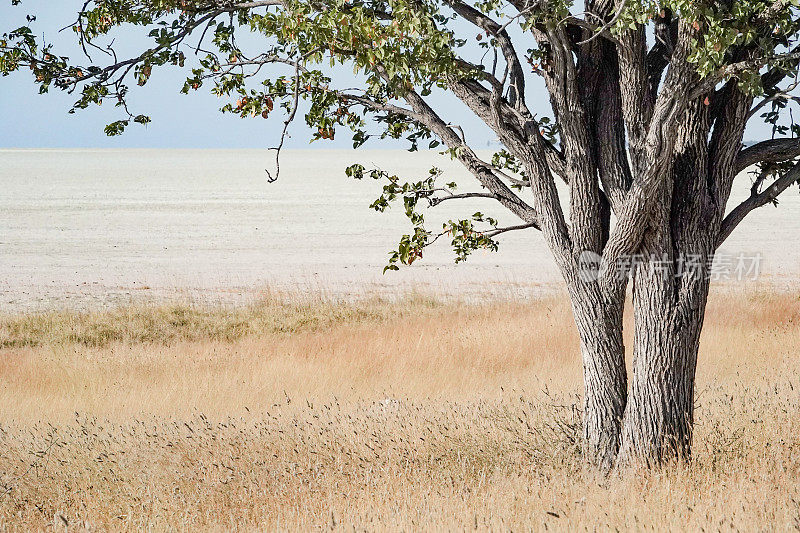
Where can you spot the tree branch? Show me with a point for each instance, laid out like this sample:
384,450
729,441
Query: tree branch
498,231
654,168
469,159
757,200
770,151
479,19
783,94
637,105
666,33
434,201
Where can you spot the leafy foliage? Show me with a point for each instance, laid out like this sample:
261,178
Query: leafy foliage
464,237
264,56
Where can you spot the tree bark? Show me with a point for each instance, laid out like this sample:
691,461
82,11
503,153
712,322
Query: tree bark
599,323
659,416
669,293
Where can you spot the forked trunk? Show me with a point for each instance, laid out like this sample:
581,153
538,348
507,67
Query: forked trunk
649,422
599,324
659,416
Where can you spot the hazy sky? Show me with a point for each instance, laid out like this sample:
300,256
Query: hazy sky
179,121
28,119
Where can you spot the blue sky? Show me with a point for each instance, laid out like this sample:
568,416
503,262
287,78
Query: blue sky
30,120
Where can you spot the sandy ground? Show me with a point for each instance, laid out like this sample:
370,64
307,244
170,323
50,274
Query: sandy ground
89,228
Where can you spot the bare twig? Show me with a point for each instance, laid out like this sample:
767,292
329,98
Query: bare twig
286,123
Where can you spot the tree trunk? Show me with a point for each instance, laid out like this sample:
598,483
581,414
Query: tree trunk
599,324
659,416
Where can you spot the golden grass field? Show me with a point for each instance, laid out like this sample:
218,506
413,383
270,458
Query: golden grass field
371,415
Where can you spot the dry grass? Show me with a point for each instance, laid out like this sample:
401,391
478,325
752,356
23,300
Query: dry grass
375,415
171,323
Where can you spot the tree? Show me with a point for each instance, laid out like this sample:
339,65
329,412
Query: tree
649,101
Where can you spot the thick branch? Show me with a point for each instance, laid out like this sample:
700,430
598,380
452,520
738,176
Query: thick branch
469,159
479,19
770,151
665,33
529,146
516,129
598,72
725,144
655,166
637,105
757,200
562,80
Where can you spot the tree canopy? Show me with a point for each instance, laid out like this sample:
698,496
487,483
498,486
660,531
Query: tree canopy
404,50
